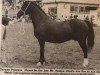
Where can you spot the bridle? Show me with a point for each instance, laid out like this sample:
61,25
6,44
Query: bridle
24,11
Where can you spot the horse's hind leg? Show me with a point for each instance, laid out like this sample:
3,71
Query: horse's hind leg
85,51
42,59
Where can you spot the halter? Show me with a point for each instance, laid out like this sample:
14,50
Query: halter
25,9
25,14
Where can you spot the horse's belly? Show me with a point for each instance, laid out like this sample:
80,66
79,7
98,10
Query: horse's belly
58,39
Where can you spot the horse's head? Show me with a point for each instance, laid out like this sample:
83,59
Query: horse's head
25,9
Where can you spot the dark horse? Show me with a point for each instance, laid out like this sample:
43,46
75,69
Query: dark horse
48,30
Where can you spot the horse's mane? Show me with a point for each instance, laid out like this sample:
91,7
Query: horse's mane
35,4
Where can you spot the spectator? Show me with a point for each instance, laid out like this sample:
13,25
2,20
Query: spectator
10,1
65,18
71,16
83,17
75,16
87,18
7,3
92,19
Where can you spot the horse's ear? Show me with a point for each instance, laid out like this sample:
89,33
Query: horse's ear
26,1
32,2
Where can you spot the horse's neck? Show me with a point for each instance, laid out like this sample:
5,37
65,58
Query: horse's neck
38,17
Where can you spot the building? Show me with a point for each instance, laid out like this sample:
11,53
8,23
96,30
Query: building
62,9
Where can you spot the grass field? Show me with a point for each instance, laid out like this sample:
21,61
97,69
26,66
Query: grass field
22,51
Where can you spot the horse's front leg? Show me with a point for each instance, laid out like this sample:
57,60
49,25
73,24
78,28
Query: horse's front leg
42,59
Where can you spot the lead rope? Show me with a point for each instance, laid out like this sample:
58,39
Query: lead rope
23,19
22,28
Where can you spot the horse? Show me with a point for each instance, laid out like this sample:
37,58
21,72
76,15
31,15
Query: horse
48,30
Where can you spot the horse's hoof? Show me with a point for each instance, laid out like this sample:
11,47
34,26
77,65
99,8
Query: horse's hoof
85,63
39,64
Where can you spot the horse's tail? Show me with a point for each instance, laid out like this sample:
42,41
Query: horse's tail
4,35
91,35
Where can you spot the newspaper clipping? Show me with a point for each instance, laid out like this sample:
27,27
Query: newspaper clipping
50,37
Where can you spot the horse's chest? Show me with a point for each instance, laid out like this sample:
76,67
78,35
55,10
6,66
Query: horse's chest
39,32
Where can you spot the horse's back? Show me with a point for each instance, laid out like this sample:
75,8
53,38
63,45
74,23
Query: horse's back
78,24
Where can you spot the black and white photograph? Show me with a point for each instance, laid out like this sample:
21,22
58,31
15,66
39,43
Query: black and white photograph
50,34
